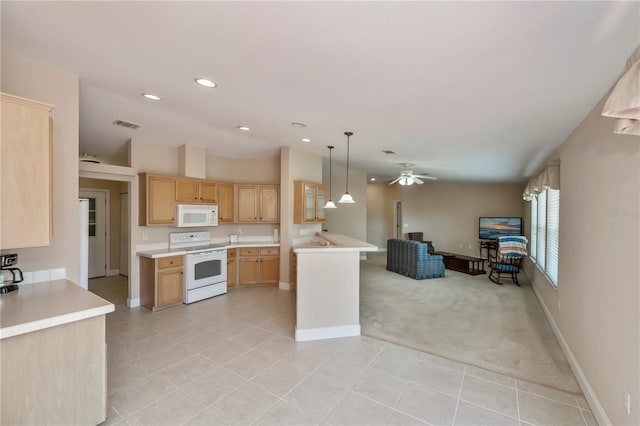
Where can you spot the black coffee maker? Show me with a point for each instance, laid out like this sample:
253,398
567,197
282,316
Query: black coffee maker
9,274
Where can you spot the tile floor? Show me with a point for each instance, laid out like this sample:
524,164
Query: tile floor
232,360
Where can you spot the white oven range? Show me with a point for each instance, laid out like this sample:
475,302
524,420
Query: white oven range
206,265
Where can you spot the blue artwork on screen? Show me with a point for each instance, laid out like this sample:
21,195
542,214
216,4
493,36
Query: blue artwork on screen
493,227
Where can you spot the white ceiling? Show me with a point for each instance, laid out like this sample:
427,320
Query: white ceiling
480,91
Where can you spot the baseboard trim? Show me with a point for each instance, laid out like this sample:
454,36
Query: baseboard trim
112,272
133,302
303,335
598,410
284,286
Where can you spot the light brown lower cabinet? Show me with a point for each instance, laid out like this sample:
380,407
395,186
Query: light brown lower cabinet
259,265
161,282
231,268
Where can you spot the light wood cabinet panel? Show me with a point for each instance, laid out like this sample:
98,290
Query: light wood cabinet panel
249,270
259,203
231,272
208,192
269,270
269,203
157,200
225,203
259,265
270,251
25,173
247,203
308,202
170,287
195,191
161,282
186,191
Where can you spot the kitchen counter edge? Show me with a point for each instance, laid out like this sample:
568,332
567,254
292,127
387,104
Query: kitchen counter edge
156,254
337,243
43,305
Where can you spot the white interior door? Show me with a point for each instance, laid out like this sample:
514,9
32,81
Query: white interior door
124,234
97,232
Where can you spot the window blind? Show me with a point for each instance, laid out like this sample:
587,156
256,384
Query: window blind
553,234
534,226
541,229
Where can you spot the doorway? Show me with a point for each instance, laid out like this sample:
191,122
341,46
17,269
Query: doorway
98,230
397,219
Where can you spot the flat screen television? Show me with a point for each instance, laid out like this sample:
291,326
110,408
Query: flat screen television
493,227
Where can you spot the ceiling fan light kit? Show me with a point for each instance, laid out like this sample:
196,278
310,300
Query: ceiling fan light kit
346,197
407,177
330,204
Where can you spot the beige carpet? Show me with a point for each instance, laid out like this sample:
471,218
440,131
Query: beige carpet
467,319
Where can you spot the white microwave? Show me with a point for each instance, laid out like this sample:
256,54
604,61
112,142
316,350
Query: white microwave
196,215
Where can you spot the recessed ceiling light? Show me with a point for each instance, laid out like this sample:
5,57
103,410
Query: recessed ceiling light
244,128
305,140
388,151
297,124
205,82
151,96
373,179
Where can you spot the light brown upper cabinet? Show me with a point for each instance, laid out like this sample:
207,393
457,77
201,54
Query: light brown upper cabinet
195,191
157,200
259,203
225,203
25,173
308,202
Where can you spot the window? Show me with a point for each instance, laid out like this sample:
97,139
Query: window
545,232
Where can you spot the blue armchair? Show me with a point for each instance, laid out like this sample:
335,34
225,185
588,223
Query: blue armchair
412,259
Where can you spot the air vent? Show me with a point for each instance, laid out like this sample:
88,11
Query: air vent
388,152
126,124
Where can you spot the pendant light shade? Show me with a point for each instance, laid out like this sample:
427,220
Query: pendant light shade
346,197
330,204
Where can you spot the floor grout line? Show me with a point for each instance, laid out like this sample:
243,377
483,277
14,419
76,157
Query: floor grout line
518,402
455,412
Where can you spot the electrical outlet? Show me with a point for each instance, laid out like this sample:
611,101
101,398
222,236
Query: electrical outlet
239,230
406,225
627,403
470,246
459,245
559,304
145,236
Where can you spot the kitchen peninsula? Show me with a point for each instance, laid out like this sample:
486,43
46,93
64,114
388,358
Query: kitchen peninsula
328,287
53,353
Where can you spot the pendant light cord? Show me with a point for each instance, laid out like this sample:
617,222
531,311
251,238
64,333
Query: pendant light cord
348,144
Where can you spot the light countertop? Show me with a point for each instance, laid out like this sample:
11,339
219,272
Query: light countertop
325,242
47,304
166,252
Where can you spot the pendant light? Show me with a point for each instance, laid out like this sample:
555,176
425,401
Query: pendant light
330,204
346,197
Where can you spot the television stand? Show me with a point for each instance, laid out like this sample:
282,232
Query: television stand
488,245
461,263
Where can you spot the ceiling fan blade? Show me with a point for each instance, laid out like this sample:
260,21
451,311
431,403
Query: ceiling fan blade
416,180
426,177
395,180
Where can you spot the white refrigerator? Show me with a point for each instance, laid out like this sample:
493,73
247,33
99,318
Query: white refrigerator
83,267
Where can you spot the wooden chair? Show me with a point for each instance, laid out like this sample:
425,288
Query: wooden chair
508,259
418,236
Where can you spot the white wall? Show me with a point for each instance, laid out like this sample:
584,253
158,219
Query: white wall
294,165
23,77
597,304
445,212
347,219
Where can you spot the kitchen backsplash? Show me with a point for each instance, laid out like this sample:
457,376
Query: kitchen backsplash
33,277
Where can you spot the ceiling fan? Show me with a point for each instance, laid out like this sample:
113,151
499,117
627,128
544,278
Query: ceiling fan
407,177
